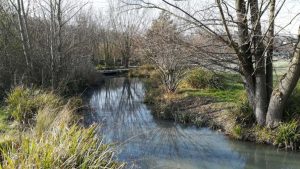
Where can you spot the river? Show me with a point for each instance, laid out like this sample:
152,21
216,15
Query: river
145,142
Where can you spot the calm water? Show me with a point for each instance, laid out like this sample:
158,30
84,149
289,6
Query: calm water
145,142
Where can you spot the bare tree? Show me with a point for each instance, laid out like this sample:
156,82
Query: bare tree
244,16
164,48
23,30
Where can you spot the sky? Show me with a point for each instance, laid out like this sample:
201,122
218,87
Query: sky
289,11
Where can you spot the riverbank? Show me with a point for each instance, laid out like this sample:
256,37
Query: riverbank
40,129
224,109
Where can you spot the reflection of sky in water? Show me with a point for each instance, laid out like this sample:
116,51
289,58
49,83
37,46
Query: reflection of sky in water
149,143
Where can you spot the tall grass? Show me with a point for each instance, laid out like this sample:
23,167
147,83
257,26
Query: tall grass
53,138
288,134
24,103
60,147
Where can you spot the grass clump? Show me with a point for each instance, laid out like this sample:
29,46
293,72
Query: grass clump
200,78
262,134
60,147
288,134
24,103
54,138
237,131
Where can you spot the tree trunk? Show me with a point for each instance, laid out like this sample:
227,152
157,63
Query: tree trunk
23,33
270,47
285,87
245,51
260,75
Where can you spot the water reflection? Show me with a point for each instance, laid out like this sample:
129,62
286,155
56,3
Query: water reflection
149,143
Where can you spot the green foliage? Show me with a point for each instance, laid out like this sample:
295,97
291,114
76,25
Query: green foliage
199,78
288,134
228,95
23,103
237,131
60,147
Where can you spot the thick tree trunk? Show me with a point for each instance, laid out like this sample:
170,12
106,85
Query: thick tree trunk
270,47
285,87
260,97
260,75
245,51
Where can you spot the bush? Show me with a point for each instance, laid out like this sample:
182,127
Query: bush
288,134
199,78
60,147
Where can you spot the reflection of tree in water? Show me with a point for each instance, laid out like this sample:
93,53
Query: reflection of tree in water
119,105
143,140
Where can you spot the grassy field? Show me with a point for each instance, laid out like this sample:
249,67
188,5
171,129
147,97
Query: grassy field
280,67
231,91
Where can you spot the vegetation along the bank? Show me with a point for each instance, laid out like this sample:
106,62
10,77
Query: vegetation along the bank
39,129
218,100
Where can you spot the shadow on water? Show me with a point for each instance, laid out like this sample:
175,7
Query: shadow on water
146,142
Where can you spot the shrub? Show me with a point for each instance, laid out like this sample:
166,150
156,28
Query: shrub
199,78
288,134
60,147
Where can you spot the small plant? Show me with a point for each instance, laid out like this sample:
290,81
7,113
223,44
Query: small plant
288,134
199,78
237,131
